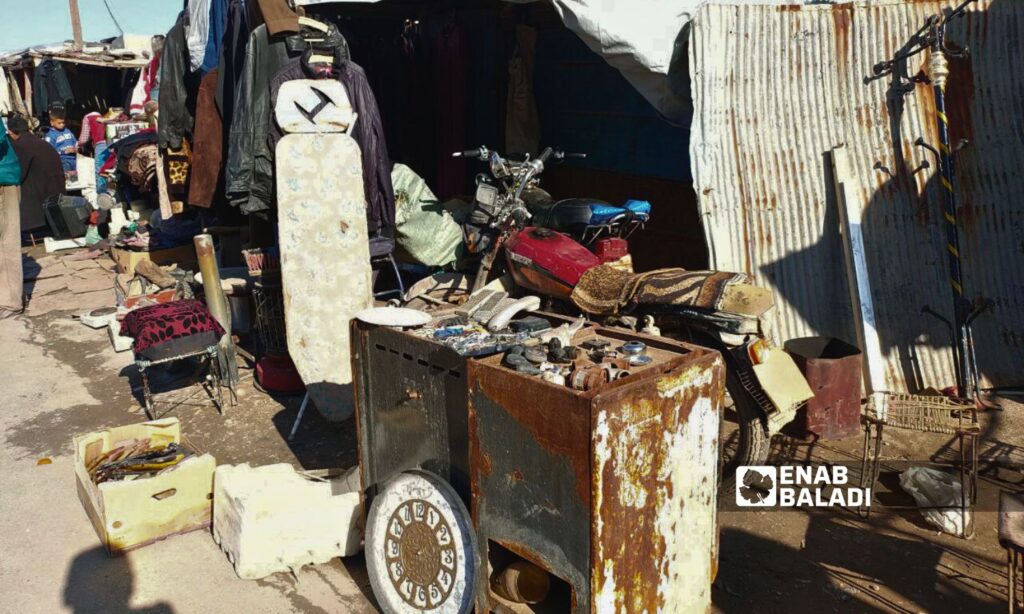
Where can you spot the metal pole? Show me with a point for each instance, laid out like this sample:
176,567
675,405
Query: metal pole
938,68
217,301
76,25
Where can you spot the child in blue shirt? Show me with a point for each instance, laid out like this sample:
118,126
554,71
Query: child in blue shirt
61,139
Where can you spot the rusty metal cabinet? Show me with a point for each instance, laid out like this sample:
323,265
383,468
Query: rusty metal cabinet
613,491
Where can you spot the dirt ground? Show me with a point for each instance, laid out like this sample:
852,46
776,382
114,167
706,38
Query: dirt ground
62,378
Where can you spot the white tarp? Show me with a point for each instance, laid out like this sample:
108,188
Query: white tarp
646,40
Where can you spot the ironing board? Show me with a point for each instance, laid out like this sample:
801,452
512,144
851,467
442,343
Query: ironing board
325,259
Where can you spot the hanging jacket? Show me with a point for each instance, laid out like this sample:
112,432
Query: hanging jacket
232,59
368,133
250,166
10,168
49,86
176,120
278,17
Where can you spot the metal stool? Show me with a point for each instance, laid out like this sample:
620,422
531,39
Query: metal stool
212,378
382,252
926,414
1011,537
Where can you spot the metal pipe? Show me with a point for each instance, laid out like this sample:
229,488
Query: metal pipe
217,301
938,68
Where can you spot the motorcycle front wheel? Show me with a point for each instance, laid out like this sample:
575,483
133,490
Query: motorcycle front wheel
752,441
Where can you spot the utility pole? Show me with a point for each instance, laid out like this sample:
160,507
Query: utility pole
76,25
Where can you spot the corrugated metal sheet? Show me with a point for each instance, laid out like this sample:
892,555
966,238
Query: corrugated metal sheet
776,88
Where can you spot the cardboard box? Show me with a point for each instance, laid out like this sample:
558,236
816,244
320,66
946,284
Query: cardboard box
184,255
131,514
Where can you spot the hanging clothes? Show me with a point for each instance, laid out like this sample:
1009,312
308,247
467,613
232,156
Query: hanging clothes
50,86
250,160
232,59
278,17
140,93
175,105
368,132
208,145
163,187
197,32
215,37
6,104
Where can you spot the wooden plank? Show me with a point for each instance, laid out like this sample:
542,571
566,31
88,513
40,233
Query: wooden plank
855,257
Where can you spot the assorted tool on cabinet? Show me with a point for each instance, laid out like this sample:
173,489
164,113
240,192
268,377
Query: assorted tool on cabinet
531,346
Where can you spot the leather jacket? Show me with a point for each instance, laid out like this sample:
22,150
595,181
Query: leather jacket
175,105
250,159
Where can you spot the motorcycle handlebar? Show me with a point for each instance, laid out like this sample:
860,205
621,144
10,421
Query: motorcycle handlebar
546,154
471,153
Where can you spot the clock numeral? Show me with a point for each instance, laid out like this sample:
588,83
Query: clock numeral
392,548
448,558
406,514
396,528
419,509
443,536
431,518
397,570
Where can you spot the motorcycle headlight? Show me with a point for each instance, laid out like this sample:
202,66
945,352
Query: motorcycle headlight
759,351
497,165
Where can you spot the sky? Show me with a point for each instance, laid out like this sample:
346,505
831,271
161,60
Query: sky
24,23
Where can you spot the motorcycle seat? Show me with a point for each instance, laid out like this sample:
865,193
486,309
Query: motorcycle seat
640,209
575,214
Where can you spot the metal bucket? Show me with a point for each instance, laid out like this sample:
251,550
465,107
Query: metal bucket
833,369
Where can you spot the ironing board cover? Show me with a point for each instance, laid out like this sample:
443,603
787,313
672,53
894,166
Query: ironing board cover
325,259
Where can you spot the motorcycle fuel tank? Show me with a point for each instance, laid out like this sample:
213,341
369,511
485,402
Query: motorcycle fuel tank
546,261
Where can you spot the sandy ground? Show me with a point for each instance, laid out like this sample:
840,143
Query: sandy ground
61,379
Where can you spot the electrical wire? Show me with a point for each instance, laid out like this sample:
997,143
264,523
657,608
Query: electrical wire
112,18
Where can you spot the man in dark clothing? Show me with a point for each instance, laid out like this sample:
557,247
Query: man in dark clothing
42,175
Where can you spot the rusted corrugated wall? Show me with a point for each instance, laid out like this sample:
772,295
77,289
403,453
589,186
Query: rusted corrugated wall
776,88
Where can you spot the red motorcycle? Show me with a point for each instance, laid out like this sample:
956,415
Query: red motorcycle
548,247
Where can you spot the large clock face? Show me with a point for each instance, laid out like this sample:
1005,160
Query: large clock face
420,547
422,559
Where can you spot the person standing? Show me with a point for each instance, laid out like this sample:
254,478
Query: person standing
42,175
12,300
62,140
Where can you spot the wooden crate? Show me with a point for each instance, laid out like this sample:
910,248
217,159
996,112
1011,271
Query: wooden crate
132,514
183,255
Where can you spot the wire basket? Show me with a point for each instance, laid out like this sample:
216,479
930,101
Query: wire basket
269,300
927,414
260,260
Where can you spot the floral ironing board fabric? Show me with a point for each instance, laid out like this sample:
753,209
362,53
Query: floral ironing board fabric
325,260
